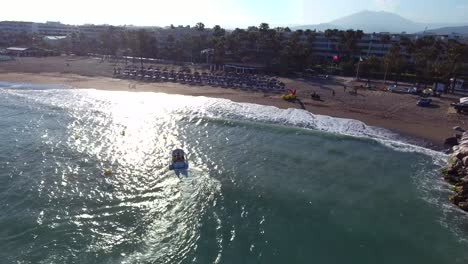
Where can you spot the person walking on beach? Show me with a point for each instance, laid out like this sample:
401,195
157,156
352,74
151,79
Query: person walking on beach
333,93
344,88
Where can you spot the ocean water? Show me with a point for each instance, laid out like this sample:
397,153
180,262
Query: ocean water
265,185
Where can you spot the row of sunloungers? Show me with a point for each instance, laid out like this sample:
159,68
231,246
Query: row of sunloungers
226,80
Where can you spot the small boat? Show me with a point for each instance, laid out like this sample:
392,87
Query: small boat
178,160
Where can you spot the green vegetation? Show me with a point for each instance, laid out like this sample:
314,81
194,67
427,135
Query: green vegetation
444,172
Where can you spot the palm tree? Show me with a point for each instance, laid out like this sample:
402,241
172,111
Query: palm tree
143,37
178,51
219,51
370,66
109,41
331,35
152,47
451,61
310,35
385,39
394,59
425,57
170,47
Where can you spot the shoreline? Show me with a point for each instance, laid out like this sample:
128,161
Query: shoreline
398,113
110,84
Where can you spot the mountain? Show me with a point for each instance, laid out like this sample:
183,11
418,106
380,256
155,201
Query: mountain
462,30
374,21
382,21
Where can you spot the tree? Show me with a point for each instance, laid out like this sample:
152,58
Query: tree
109,41
395,60
347,43
170,47
178,51
218,31
424,57
219,51
385,39
264,27
370,66
200,26
142,43
450,62
152,48
311,35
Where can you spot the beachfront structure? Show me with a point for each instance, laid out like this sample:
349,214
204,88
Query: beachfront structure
54,29
54,41
17,27
369,44
26,52
48,28
94,31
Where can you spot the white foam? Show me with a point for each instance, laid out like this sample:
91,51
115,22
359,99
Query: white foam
226,109
222,108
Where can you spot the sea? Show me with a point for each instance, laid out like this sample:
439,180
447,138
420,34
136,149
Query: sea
84,179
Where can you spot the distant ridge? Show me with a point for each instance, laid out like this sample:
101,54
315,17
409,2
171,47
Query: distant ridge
374,21
463,30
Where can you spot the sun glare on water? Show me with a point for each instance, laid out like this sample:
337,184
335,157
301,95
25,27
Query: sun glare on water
139,200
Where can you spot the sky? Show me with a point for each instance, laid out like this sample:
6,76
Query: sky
227,13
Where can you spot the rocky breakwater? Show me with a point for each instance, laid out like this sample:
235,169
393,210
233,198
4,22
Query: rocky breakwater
456,172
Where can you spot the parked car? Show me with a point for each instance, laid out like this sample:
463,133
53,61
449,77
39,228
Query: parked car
462,106
424,102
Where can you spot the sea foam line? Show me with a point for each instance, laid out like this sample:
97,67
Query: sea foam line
219,108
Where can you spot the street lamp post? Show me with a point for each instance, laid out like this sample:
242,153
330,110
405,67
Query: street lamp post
386,71
357,72
358,66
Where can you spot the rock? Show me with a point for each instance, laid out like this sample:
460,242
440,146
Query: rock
463,206
452,179
454,165
465,162
464,180
463,144
463,151
452,141
457,199
462,191
455,148
457,128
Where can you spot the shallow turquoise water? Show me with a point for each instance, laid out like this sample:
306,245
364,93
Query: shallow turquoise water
265,185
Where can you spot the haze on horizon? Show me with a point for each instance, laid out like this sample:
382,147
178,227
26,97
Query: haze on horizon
227,13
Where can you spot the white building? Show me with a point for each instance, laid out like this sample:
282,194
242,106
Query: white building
54,29
17,27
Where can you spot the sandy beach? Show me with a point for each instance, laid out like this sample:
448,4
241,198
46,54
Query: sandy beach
396,112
